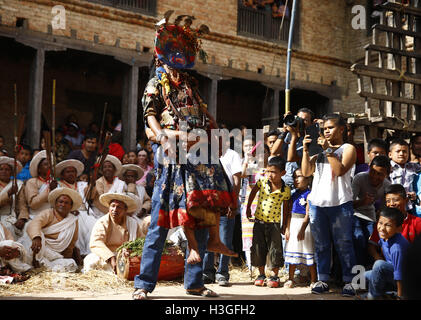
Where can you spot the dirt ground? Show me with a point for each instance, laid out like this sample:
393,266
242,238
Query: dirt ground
99,285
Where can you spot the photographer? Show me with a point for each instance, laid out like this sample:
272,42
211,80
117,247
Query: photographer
290,141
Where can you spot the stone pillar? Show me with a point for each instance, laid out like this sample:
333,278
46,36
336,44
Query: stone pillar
36,82
213,98
129,107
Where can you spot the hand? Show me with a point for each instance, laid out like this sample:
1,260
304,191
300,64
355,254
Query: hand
322,141
13,190
77,257
53,185
248,213
231,213
113,263
301,234
306,141
368,199
9,253
36,245
293,131
287,234
412,195
20,224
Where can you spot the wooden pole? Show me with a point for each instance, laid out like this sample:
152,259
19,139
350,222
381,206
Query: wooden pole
288,69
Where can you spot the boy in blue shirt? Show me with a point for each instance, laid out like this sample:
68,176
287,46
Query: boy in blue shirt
386,274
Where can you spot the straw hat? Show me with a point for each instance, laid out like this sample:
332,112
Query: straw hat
74,195
33,167
130,167
78,165
106,198
115,161
11,163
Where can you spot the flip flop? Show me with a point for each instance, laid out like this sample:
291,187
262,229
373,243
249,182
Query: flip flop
204,292
139,294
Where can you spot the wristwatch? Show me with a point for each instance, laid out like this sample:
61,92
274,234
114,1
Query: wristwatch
329,151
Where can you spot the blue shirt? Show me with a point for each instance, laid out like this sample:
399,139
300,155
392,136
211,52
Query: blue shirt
24,174
299,201
417,189
394,250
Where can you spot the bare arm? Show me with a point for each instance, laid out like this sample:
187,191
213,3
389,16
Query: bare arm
339,167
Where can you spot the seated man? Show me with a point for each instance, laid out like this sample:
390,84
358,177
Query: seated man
39,186
130,173
51,236
9,206
109,182
111,231
13,256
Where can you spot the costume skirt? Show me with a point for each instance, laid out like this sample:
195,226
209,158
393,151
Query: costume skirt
299,252
191,195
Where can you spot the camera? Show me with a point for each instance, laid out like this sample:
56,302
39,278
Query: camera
295,122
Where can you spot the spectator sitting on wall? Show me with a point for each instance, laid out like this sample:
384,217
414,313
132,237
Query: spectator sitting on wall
24,156
74,137
87,155
279,9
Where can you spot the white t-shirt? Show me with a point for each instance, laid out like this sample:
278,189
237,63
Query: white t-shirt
328,190
231,162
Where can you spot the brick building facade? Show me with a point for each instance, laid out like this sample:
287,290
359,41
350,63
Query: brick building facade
104,52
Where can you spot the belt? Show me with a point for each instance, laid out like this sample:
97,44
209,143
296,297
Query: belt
264,222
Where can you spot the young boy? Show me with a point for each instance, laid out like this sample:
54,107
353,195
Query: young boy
375,147
274,198
403,172
387,274
395,197
368,190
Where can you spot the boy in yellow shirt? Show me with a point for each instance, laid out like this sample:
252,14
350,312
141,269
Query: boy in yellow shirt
274,196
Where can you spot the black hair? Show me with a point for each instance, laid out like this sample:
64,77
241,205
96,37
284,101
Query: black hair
307,110
26,147
336,117
414,137
393,214
398,141
277,162
381,161
379,143
396,189
90,135
273,133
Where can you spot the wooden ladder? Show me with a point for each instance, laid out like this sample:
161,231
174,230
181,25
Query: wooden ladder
392,70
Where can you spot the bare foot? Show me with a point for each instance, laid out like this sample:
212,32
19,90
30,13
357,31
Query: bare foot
219,247
193,257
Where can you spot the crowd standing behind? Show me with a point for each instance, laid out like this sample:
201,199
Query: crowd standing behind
314,194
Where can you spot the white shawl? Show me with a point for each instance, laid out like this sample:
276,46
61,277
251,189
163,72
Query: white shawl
5,210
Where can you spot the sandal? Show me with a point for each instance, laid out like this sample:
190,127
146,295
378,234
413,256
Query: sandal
139,294
289,284
203,292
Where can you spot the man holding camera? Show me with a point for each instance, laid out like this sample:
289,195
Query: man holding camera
290,141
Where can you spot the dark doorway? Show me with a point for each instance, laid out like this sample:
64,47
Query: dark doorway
305,98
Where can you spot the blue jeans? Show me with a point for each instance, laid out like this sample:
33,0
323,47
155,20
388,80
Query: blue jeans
380,279
361,231
333,224
226,231
152,251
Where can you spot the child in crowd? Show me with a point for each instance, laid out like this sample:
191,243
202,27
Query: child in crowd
368,190
300,244
403,172
274,199
387,274
375,147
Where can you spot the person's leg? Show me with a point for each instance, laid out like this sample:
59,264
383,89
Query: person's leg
193,256
152,251
276,257
291,272
358,240
214,242
226,229
319,225
341,226
209,267
380,278
193,273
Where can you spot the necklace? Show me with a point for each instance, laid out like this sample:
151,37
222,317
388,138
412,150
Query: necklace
70,186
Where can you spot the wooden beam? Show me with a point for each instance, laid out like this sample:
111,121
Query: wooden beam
36,81
393,75
396,30
387,123
411,54
397,7
384,97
